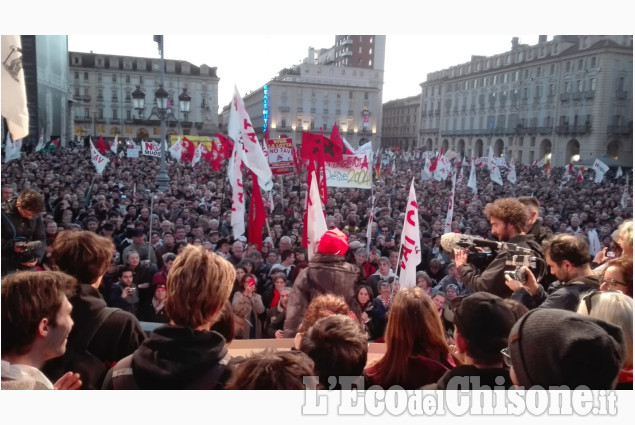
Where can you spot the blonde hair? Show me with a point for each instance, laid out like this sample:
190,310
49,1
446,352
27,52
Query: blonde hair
198,285
626,233
616,308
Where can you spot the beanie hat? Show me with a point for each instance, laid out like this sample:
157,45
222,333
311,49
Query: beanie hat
333,241
554,347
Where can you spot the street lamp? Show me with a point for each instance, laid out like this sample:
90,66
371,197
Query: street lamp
184,103
138,101
163,180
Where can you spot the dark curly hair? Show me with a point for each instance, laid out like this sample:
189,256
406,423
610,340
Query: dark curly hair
508,210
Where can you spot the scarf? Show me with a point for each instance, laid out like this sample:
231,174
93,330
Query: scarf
158,305
276,298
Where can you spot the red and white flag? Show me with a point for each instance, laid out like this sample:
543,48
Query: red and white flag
113,145
471,181
494,170
198,154
450,214
425,171
580,177
410,242
316,223
511,176
98,160
239,128
176,150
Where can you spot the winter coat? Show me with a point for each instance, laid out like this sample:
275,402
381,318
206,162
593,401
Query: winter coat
14,225
565,296
173,358
325,274
243,308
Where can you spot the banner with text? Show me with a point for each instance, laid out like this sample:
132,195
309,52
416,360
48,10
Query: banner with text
352,171
280,156
151,149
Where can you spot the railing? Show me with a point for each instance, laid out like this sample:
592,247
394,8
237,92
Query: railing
621,94
618,129
565,96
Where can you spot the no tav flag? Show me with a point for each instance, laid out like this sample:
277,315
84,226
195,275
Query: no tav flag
410,242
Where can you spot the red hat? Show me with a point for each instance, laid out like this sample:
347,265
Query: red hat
160,285
334,241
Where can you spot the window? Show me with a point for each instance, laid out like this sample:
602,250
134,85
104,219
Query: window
360,49
538,70
114,114
580,64
128,114
567,87
76,91
99,77
100,113
76,75
553,69
567,67
86,113
551,89
592,84
532,142
85,76
365,95
580,86
370,51
370,62
114,78
283,122
371,40
593,62
140,79
128,79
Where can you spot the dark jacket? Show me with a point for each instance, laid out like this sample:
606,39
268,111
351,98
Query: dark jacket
376,317
117,337
274,321
325,274
469,377
130,303
492,279
566,296
147,313
14,225
173,358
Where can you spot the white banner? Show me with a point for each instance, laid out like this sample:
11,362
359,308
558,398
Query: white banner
242,132
410,242
235,174
132,153
151,149
352,171
365,149
99,161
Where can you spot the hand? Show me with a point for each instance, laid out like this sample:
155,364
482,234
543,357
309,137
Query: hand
364,317
512,284
601,257
531,284
460,258
125,293
279,334
19,246
29,263
70,381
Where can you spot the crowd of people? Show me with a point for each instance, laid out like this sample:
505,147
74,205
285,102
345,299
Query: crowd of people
111,252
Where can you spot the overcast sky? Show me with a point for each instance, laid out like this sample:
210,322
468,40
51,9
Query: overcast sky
249,61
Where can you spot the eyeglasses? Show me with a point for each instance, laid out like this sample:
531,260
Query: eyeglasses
507,358
611,282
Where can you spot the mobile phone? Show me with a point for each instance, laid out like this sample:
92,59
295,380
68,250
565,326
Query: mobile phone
610,254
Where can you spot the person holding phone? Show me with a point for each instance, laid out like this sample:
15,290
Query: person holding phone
124,293
249,307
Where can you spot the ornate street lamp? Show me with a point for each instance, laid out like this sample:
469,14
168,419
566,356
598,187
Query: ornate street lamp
163,180
138,101
184,103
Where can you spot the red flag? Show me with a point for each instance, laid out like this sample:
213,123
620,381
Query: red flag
101,145
207,154
337,140
433,164
217,156
579,177
228,145
188,150
314,145
257,214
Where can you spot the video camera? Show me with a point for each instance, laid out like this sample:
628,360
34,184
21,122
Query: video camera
517,257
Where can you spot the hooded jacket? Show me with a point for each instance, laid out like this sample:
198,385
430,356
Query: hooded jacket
565,296
173,358
325,274
14,225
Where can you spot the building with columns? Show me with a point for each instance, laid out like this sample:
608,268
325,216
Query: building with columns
569,99
102,85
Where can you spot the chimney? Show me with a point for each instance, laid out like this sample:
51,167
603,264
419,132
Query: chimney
542,39
514,43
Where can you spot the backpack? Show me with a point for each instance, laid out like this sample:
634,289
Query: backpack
79,359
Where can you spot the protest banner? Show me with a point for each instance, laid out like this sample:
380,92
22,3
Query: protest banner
352,171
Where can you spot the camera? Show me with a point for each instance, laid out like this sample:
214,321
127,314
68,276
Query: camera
518,274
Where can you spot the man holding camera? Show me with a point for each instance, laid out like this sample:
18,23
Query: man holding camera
508,218
124,294
23,233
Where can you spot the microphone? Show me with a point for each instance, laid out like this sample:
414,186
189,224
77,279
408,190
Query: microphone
450,241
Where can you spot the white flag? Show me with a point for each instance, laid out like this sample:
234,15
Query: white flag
450,214
471,182
425,171
235,173
619,172
599,176
40,143
410,242
511,176
315,221
12,149
444,168
348,145
494,170
99,161
14,105
366,148
600,166
240,129
625,194
176,150
198,153
113,146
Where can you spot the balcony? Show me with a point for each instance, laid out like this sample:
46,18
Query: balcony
621,94
589,94
114,121
564,97
619,129
86,98
562,129
186,124
83,120
347,42
346,53
531,130
100,98
576,95
545,130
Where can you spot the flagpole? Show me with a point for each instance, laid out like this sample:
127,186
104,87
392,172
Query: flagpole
150,222
90,189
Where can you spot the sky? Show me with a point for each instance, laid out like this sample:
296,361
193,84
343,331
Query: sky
409,58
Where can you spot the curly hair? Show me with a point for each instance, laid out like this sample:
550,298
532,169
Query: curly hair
508,210
323,306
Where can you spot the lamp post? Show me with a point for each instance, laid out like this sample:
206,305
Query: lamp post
184,103
163,179
138,101
94,124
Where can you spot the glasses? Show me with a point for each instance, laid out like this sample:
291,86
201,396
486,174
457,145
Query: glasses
611,282
507,358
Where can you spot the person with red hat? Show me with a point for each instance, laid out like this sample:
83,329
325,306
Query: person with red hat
327,273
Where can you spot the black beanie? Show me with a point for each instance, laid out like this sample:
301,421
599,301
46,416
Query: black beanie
554,347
